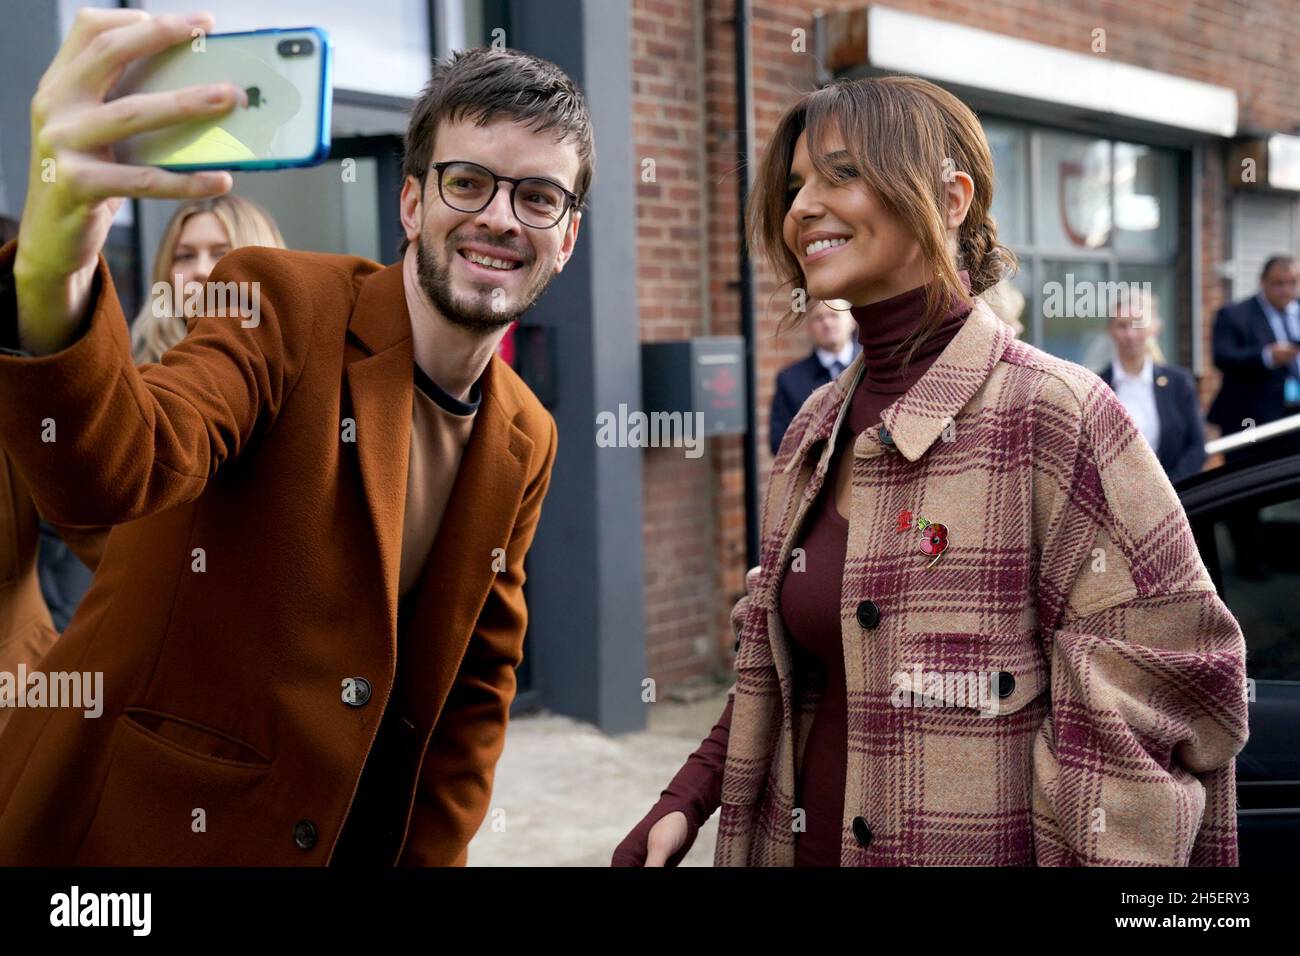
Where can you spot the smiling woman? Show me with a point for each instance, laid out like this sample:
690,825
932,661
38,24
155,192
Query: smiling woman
1119,704
905,140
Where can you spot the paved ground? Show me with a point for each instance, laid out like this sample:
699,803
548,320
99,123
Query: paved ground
566,794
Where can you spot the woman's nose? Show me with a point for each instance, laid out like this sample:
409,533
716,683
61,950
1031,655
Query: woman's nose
203,267
805,206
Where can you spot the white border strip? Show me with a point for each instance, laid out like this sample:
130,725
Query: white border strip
968,56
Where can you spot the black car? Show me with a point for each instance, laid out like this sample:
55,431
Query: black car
1246,519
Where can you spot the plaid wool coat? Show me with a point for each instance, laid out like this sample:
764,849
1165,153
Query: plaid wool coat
1070,582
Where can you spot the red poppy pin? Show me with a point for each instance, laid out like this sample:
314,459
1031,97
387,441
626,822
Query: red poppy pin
934,537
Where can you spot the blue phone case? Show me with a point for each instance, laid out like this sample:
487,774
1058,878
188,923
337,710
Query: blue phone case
322,146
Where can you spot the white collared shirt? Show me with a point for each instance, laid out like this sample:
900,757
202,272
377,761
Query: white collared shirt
1137,393
844,356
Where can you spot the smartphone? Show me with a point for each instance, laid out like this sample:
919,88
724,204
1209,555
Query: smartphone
286,74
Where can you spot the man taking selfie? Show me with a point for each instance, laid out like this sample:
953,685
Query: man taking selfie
309,616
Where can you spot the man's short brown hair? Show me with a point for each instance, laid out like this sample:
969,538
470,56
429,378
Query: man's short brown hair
486,82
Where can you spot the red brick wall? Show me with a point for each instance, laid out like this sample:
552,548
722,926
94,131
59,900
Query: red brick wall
672,210
685,121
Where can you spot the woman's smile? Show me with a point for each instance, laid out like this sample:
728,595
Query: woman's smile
820,248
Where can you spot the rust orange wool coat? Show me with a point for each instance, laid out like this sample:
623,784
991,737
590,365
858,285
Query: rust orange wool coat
26,629
1070,585
224,687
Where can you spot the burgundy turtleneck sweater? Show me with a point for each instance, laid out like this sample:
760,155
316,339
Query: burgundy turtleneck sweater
810,607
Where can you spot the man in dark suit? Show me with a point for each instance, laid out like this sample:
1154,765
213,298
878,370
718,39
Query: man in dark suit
1255,346
835,347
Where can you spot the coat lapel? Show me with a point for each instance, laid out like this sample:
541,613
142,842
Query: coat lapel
380,386
917,419
826,415
481,511
1166,413
771,719
461,569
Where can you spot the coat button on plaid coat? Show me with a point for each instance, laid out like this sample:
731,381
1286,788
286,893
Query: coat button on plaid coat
1069,566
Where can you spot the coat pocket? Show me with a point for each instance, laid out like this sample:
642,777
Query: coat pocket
194,739
991,675
966,739
177,794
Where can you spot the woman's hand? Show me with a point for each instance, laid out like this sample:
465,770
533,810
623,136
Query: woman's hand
74,186
666,838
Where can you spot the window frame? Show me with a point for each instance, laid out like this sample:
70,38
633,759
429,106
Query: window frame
1032,255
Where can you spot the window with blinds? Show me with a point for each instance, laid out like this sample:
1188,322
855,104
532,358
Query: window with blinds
1262,226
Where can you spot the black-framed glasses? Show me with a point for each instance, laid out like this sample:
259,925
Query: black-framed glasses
468,187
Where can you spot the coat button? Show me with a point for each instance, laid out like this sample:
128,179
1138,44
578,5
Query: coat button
885,437
868,614
356,691
304,834
862,831
1006,684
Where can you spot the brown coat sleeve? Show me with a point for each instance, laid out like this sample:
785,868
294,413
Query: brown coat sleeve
87,543
26,631
455,786
102,443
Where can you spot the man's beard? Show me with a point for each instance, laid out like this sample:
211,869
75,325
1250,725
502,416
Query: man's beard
478,314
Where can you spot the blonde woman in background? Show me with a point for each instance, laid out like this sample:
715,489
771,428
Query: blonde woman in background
1160,398
200,233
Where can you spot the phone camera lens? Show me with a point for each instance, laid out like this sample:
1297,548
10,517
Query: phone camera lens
301,46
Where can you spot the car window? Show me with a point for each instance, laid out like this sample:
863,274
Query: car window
1259,577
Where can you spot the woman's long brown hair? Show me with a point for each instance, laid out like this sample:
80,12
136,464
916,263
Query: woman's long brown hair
904,135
